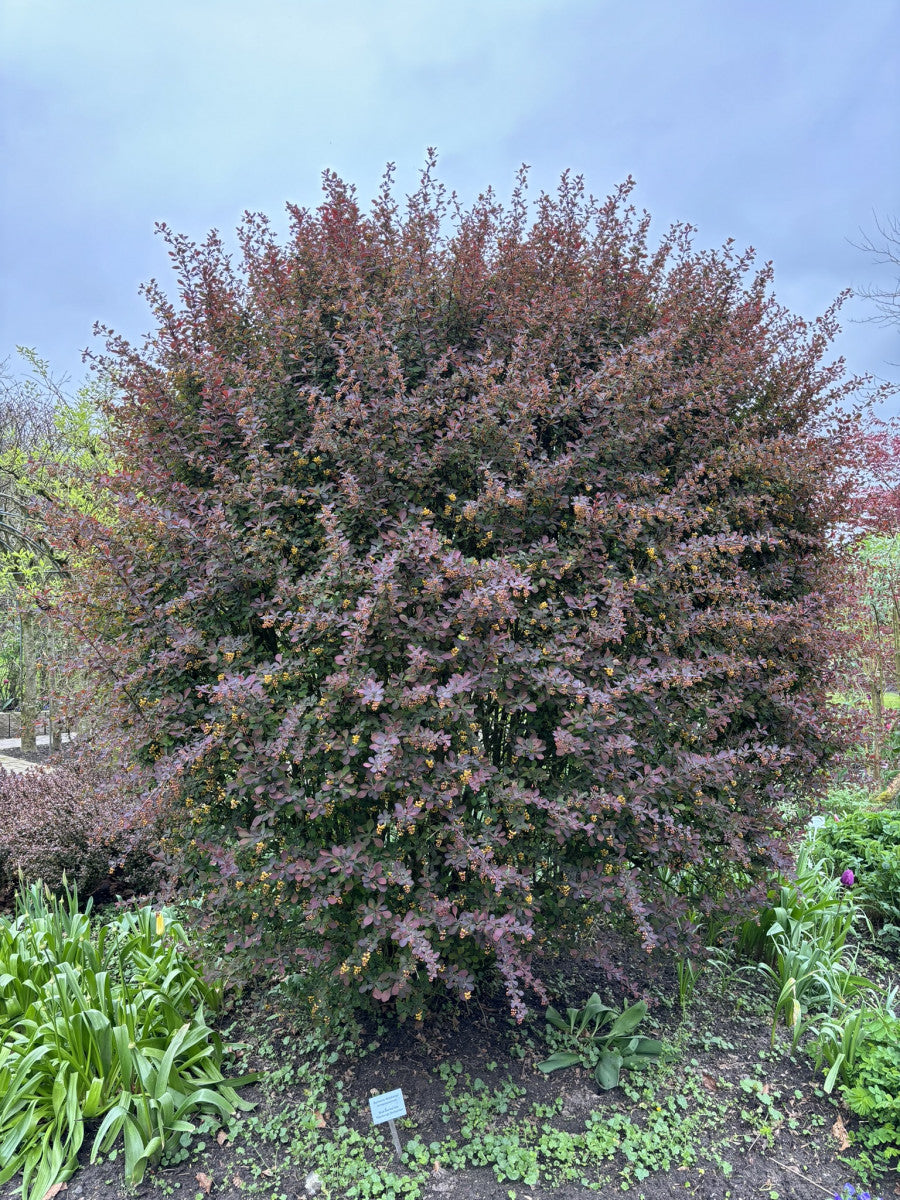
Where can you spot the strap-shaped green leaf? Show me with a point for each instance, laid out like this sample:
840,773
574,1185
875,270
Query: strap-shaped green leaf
627,1021
559,1060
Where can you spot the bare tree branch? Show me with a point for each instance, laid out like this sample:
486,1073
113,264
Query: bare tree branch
885,250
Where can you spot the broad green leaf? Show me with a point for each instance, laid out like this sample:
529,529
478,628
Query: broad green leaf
608,1070
832,1075
555,1019
559,1060
627,1021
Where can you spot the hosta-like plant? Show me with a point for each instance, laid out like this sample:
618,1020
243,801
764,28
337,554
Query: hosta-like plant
469,573
99,1020
600,1039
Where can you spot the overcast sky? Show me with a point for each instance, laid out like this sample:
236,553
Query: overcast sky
775,122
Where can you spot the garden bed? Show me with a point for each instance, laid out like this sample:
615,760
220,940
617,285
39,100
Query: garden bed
725,1115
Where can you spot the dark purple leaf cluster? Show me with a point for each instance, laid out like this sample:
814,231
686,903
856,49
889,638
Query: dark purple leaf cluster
466,578
70,823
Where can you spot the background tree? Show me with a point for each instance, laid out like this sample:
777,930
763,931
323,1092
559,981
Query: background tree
42,428
466,582
884,248
875,583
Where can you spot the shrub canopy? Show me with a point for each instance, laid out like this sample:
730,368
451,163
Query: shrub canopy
469,578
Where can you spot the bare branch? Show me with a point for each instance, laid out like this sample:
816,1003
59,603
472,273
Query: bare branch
885,250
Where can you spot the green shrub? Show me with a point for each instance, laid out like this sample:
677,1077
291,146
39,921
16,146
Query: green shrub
99,1020
874,1091
842,799
868,844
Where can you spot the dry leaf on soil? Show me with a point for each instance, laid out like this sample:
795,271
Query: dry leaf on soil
205,1182
839,1130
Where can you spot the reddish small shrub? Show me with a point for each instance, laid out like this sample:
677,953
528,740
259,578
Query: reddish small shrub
67,822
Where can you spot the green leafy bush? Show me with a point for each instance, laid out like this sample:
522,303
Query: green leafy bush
99,1020
868,843
461,573
873,1091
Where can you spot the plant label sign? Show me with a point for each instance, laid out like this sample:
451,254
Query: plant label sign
389,1106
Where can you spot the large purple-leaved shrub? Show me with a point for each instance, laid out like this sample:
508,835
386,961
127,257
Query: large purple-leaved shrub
465,578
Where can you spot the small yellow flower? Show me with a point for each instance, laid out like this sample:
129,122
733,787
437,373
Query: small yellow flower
160,924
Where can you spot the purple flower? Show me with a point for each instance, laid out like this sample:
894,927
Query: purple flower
849,1192
848,878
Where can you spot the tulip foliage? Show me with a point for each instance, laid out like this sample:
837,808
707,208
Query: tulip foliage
468,581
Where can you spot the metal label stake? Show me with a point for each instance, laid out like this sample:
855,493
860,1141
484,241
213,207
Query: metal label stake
389,1106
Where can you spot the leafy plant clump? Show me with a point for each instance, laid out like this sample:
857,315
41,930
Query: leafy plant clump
601,1040
467,577
872,1090
99,1021
868,843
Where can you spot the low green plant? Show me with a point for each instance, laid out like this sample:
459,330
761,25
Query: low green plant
810,907
688,970
838,1043
810,978
844,797
601,1040
872,1090
868,843
799,939
100,1020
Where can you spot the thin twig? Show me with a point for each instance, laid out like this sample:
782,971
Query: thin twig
800,1175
